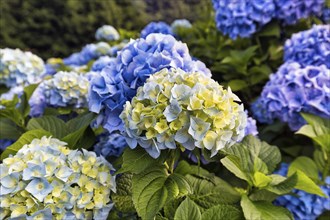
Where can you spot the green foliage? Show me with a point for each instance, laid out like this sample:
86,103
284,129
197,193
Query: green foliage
123,196
188,210
222,212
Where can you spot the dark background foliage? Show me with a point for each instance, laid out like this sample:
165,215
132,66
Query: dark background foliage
56,28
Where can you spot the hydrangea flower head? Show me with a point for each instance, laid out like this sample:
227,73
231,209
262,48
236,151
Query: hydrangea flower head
294,89
47,180
88,53
156,27
304,206
290,11
118,82
102,62
64,89
175,107
251,127
107,33
110,144
180,23
311,47
19,68
242,18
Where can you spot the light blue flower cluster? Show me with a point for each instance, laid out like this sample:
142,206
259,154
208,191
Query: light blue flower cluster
88,53
19,68
325,17
294,89
251,127
107,33
180,24
242,18
46,180
64,89
306,206
156,27
17,90
110,144
175,108
311,47
290,11
117,83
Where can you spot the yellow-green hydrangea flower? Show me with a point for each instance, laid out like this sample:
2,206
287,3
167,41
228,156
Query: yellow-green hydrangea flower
175,108
46,180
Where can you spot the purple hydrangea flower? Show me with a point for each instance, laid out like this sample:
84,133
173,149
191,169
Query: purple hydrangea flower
306,206
294,89
102,62
156,27
118,82
110,144
325,17
290,11
242,18
251,127
311,47
4,143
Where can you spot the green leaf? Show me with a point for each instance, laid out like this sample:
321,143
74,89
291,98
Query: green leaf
282,185
261,180
317,121
208,193
237,84
232,163
123,196
187,210
177,186
306,184
171,207
149,191
87,140
52,124
9,129
28,91
272,29
300,164
222,211
263,210
185,168
14,115
137,160
26,138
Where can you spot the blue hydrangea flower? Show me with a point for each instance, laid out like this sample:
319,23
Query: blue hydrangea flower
311,47
110,144
107,33
88,53
64,89
19,68
17,90
102,62
306,206
4,143
294,89
325,17
46,180
251,127
179,24
290,11
242,18
156,27
118,82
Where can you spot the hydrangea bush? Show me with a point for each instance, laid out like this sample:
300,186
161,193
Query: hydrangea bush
19,68
118,83
156,27
174,107
107,33
64,89
46,180
294,89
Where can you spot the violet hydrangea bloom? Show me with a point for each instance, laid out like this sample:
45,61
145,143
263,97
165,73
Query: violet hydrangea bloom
118,82
294,89
64,89
156,27
107,32
110,144
311,47
290,11
306,206
242,18
4,143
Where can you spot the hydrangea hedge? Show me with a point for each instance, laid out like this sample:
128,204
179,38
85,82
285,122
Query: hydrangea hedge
140,128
